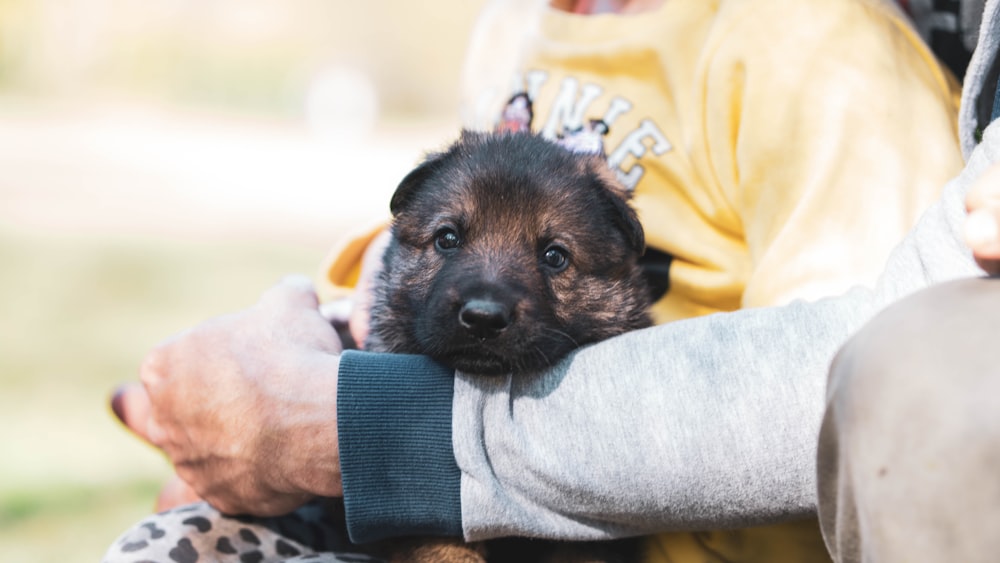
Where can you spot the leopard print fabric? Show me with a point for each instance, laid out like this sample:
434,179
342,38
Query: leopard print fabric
199,533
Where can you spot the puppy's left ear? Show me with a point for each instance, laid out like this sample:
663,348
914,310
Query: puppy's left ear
432,164
413,181
618,197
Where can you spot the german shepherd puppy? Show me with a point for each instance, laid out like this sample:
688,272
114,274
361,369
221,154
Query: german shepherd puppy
507,252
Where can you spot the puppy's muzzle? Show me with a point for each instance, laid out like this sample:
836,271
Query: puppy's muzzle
485,318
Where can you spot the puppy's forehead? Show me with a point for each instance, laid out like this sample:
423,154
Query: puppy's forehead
521,186
514,200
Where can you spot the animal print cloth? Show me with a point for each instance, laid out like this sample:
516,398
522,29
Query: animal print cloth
199,533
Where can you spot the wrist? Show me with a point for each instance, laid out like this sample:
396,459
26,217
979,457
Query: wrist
399,472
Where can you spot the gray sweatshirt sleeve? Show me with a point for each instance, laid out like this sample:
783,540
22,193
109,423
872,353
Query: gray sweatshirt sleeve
702,423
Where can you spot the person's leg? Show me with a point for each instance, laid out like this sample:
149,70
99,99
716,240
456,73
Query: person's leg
197,532
909,452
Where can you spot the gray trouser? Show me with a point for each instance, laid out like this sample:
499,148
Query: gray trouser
909,452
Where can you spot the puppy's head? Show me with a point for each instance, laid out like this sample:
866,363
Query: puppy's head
508,252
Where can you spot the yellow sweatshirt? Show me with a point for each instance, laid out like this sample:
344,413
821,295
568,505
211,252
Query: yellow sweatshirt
777,149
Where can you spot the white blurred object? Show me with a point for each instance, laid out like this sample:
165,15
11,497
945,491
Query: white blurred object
342,104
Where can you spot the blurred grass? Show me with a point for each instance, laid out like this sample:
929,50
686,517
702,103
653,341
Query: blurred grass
77,314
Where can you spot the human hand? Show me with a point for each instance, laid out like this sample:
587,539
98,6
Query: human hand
982,225
244,405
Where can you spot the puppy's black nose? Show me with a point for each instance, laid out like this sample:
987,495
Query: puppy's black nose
484,318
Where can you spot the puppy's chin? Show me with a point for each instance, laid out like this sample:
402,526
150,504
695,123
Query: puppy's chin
478,364
516,354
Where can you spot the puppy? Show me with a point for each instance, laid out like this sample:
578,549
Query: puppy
507,252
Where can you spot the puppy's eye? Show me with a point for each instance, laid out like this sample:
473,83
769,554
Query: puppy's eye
556,258
446,239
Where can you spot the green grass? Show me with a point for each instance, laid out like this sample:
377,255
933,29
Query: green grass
76,317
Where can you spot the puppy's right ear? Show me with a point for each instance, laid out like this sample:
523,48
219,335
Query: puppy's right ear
618,197
413,181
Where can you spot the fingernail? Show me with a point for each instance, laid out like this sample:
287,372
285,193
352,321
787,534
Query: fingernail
981,228
116,403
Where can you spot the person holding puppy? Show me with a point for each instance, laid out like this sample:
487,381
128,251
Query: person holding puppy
699,424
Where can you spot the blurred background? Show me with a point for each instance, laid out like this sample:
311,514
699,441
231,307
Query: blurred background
164,161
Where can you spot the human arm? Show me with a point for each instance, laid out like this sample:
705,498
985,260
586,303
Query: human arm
518,472
693,424
666,428
661,387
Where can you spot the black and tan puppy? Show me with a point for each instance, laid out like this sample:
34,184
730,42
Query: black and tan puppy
507,252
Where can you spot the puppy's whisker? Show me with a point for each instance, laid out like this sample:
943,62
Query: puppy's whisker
564,335
541,353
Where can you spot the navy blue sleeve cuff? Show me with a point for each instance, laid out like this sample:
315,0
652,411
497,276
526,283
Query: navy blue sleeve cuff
396,459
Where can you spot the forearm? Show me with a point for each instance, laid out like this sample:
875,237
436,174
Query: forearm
689,425
685,425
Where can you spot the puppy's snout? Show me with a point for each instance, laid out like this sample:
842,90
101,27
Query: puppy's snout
484,318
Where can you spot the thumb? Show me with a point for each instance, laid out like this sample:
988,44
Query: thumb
982,225
130,404
985,191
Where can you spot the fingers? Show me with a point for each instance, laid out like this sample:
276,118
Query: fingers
982,226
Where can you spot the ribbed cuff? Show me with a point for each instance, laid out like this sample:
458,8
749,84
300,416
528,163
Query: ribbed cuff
396,459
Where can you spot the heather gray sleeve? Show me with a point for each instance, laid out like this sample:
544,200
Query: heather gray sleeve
704,423
690,425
